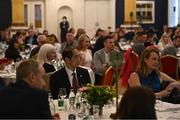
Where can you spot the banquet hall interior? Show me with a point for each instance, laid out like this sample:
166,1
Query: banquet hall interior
115,44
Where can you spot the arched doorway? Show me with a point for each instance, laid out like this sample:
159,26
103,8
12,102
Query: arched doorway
65,11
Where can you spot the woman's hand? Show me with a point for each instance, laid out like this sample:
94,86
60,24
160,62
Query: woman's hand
163,93
176,85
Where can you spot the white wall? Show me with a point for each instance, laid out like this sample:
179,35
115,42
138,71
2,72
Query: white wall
85,14
172,15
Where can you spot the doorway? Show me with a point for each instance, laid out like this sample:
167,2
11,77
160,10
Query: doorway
64,11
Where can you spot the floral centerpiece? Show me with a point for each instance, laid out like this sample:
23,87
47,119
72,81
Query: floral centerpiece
3,63
97,95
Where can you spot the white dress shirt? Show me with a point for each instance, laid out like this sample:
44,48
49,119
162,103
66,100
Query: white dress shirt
70,74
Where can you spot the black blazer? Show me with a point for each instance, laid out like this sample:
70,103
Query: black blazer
60,80
13,54
48,68
19,100
64,26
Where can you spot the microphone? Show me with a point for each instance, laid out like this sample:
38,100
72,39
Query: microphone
131,14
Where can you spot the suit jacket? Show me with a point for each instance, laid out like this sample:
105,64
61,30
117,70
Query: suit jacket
60,80
99,60
19,100
48,68
64,26
99,44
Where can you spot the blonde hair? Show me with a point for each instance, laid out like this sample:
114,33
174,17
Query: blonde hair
43,51
80,41
163,37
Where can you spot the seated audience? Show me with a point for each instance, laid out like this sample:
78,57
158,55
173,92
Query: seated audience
172,49
12,51
137,103
97,34
148,74
70,76
52,39
80,31
45,32
165,40
86,54
151,38
31,38
46,55
25,98
41,39
70,42
101,59
99,44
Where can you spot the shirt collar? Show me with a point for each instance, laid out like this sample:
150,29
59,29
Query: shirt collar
69,71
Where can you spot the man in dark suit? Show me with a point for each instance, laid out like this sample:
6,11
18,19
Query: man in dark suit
64,26
25,99
63,78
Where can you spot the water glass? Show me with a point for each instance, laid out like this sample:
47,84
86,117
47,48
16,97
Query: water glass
96,111
62,93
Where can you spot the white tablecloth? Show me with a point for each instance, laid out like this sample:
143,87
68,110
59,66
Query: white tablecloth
8,76
165,111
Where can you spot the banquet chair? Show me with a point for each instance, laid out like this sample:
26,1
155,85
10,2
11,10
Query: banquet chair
169,66
131,62
107,78
134,59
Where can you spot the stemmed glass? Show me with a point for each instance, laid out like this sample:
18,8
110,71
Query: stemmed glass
62,96
62,93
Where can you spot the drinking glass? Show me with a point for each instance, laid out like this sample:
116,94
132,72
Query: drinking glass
62,93
96,111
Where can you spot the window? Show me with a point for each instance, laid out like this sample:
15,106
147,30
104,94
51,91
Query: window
38,16
145,12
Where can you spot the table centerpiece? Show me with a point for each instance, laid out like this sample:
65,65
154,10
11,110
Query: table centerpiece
98,95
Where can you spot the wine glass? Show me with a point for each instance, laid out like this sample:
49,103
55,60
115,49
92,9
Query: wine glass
62,93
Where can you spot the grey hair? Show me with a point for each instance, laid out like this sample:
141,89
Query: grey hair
43,51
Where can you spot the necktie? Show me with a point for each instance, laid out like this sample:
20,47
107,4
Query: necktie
74,83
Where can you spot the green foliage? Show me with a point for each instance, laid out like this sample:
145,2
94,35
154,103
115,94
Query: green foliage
99,95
